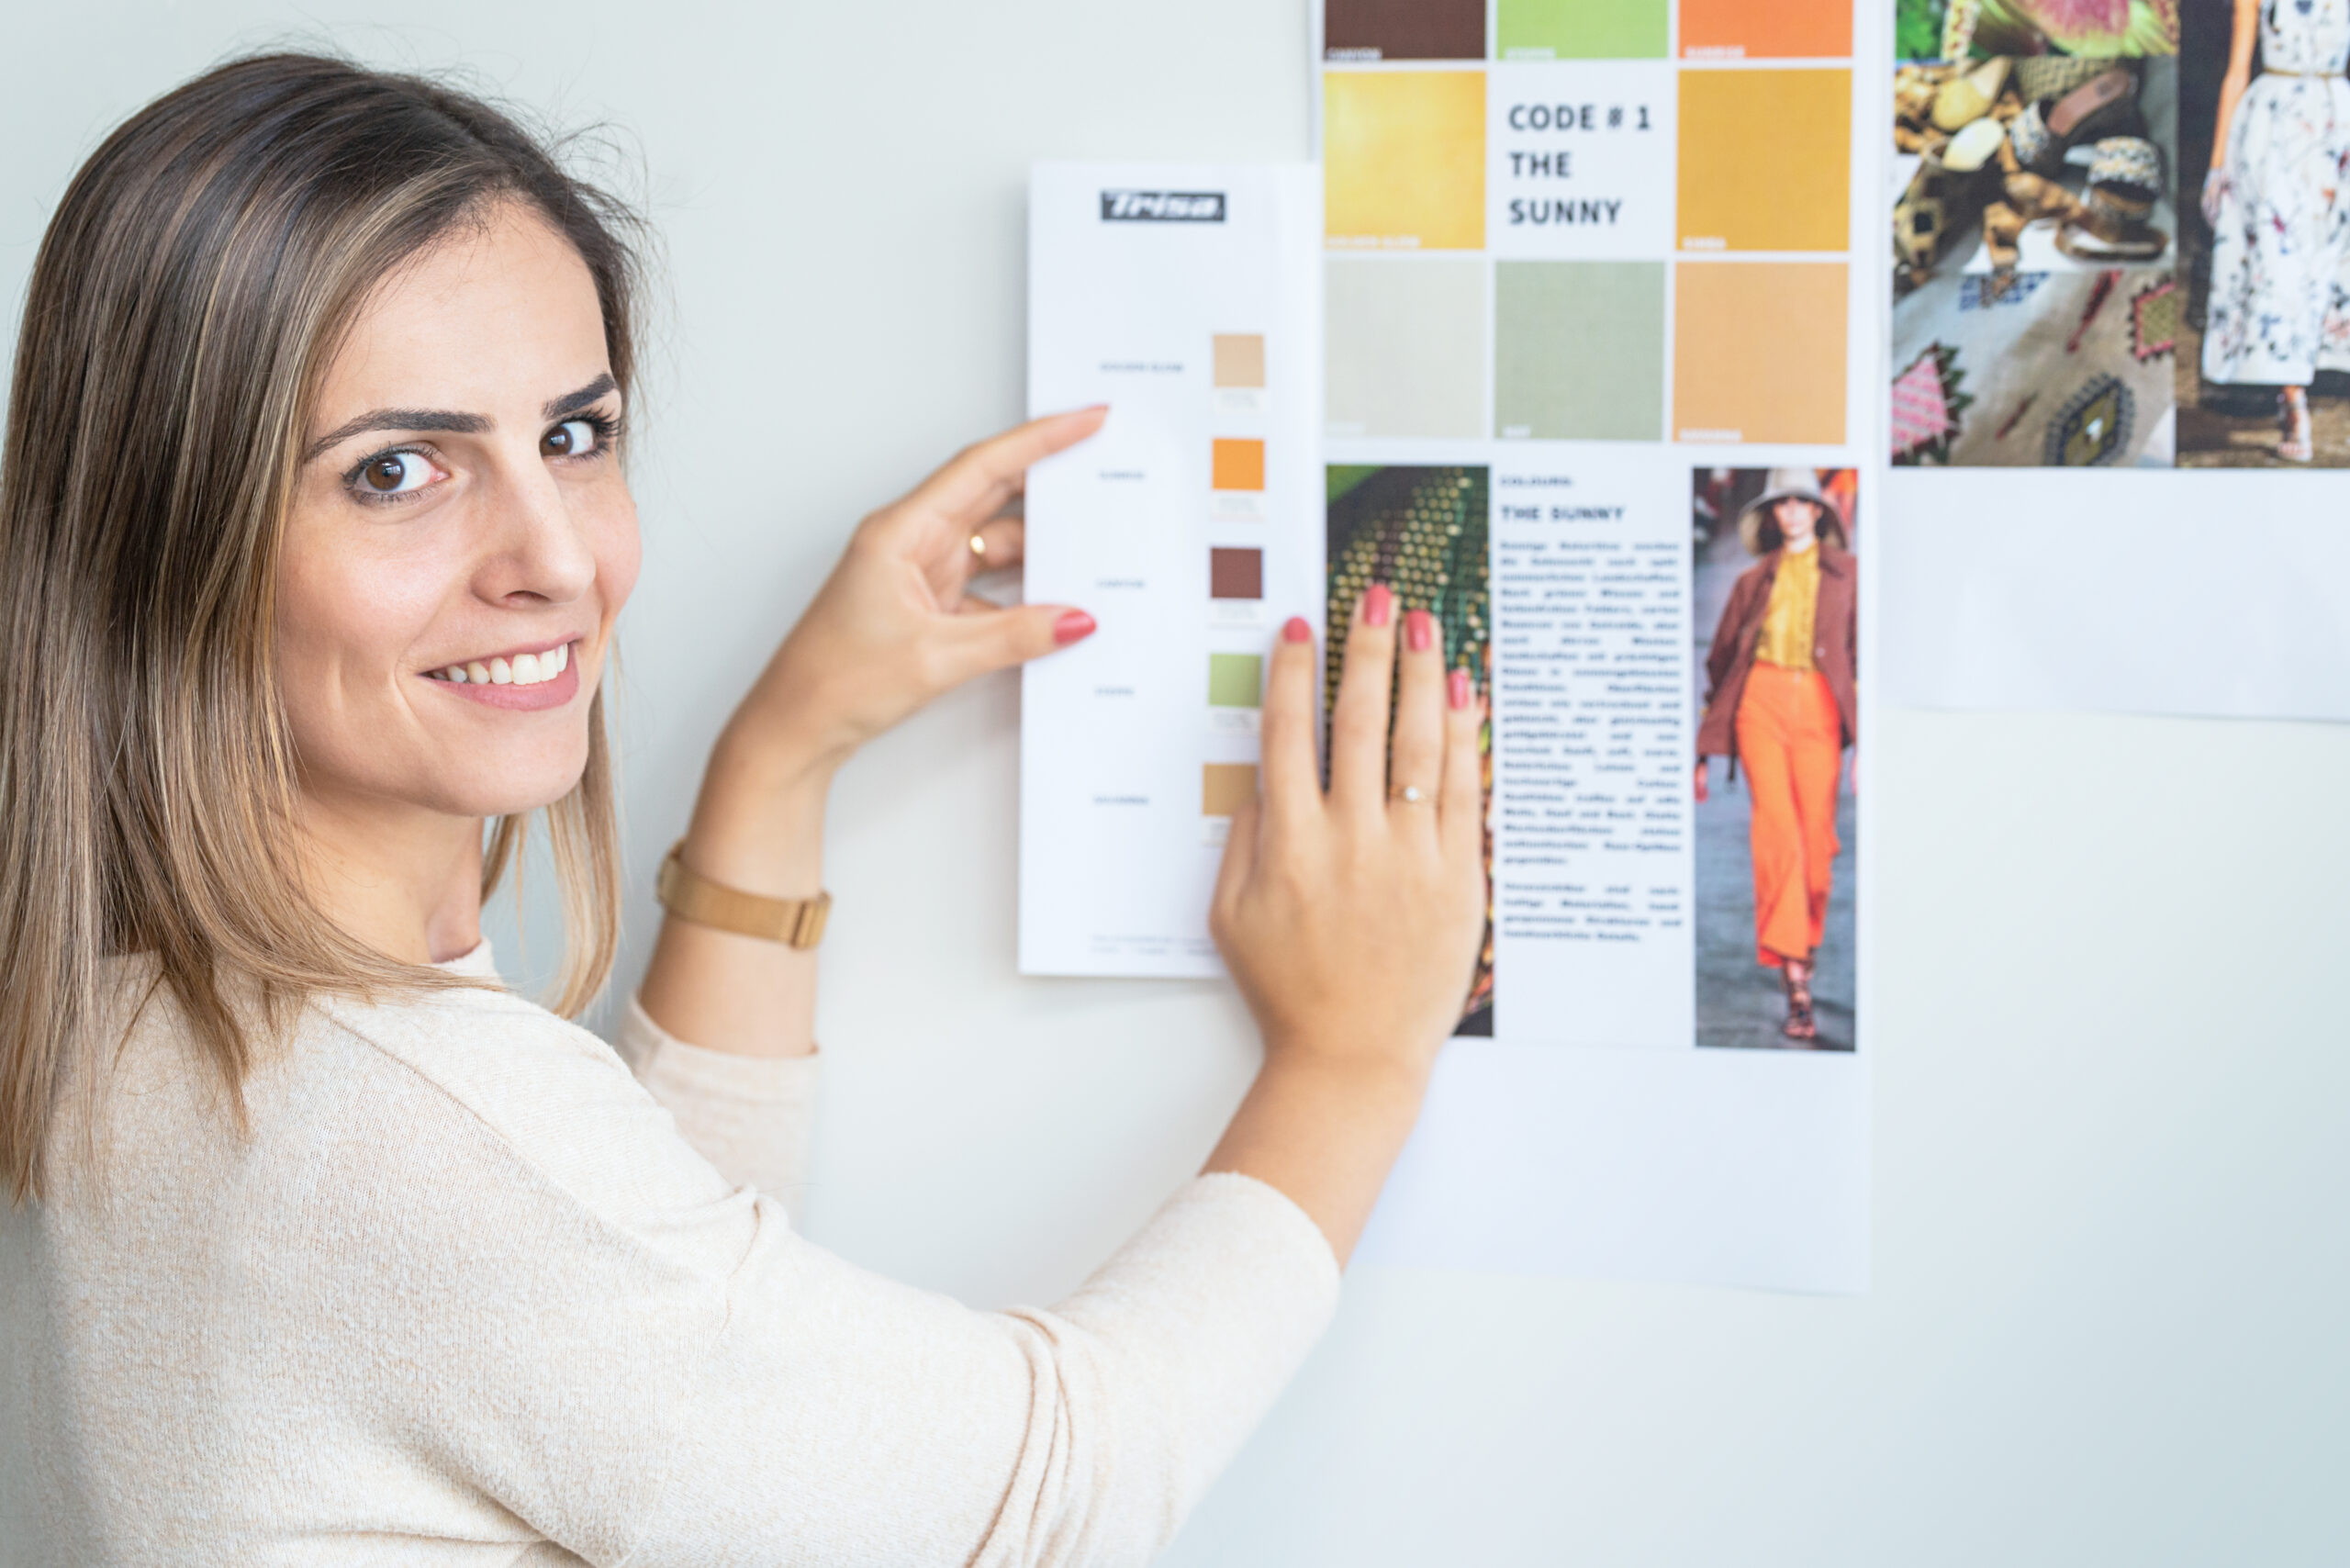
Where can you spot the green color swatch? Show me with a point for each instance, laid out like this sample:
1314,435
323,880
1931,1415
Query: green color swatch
1583,29
1236,681
1579,350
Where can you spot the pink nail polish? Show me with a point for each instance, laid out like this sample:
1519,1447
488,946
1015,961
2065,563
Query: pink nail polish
1377,605
1456,688
1071,626
1419,630
1295,630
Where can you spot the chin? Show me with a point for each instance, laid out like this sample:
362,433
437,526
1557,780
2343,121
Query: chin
514,788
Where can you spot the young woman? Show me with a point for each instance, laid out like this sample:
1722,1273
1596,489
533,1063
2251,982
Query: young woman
326,1249
1780,699
2279,308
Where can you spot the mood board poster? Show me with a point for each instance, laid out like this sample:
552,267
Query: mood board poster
1599,361
2121,248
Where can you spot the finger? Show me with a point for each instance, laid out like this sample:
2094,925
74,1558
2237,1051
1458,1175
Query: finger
1239,859
1288,777
1460,807
982,476
1358,719
985,638
990,547
1418,744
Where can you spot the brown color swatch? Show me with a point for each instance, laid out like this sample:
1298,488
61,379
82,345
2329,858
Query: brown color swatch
1237,573
1404,29
1239,359
1226,787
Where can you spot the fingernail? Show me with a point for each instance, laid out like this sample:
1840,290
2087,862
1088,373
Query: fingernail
1072,625
1295,630
1377,605
1456,688
1419,630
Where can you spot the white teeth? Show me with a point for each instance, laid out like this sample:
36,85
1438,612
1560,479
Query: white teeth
454,673
526,669
478,673
522,669
500,673
562,658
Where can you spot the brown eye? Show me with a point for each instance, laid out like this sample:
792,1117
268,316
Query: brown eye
395,473
572,438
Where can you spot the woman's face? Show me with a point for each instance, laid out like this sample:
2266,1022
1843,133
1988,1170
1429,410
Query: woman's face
459,511
1797,520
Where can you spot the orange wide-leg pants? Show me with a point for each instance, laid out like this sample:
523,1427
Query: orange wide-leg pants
1791,742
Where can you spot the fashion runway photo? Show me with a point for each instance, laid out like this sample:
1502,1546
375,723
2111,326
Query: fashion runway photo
1776,615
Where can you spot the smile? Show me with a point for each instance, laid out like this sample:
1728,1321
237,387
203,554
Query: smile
541,677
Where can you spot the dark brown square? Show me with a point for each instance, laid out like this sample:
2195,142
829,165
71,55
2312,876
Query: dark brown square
1238,573
1404,29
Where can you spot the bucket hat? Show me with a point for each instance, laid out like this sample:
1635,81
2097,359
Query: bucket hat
1781,484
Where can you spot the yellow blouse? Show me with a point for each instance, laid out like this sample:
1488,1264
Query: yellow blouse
1787,619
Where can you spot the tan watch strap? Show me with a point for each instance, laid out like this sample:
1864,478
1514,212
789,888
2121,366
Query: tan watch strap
795,922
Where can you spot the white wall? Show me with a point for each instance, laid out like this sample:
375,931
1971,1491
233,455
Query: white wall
2114,1078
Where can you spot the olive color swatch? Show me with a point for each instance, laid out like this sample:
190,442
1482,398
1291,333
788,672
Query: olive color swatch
1236,681
1579,350
1585,29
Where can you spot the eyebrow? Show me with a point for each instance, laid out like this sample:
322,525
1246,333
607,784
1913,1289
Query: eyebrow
450,420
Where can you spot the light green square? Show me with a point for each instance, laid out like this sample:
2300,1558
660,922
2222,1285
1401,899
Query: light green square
1579,351
1583,29
1236,681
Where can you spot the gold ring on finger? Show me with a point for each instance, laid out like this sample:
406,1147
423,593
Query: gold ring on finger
1410,794
979,546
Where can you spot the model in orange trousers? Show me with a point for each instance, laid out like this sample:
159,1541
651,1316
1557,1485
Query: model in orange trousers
1791,742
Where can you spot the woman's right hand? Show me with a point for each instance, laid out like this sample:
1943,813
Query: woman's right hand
1351,918
1704,788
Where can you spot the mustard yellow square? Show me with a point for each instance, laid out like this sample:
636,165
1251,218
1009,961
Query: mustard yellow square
1403,158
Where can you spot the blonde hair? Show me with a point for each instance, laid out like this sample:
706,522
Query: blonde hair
190,291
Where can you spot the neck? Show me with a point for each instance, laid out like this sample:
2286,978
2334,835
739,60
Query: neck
403,880
1800,545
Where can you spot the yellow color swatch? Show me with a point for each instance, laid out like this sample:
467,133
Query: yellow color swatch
1403,158
1226,787
1765,160
1238,465
1758,352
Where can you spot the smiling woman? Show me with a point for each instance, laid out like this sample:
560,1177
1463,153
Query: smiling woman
322,1246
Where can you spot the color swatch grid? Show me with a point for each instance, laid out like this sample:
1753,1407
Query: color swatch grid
1610,220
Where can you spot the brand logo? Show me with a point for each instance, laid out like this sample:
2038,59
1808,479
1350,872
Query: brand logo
1162,206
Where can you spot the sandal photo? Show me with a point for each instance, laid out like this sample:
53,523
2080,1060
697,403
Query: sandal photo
2293,444
2104,106
1800,1024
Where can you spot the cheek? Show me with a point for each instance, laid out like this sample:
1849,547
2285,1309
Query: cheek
346,617
620,553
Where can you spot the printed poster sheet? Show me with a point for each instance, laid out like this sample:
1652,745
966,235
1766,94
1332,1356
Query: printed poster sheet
2118,251
1596,395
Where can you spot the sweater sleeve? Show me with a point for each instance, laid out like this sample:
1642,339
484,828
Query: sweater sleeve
750,1116
846,1419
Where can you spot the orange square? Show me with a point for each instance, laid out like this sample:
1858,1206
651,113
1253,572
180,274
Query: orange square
1784,29
1766,160
1239,465
1758,352
1226,787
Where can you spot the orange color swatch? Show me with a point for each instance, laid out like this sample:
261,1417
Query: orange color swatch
1765,160
1238,465
1784,29
1226,787
1403,158
1758,352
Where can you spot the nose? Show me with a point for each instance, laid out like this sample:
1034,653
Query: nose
537,552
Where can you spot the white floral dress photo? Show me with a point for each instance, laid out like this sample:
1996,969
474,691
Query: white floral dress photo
2280,311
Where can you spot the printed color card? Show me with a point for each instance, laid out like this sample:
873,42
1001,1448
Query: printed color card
1765,160
1404,160
1781,29
1404,29
1583,29
1188,526
1758,352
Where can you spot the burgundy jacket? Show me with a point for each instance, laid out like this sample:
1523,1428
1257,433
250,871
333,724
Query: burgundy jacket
1835,638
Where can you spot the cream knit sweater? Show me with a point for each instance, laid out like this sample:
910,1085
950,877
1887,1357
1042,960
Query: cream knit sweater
469,1291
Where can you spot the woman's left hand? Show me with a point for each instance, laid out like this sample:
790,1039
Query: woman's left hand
894,626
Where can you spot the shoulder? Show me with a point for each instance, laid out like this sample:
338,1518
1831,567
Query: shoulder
533,1100
1838,562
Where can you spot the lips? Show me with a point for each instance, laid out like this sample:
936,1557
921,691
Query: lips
520,680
